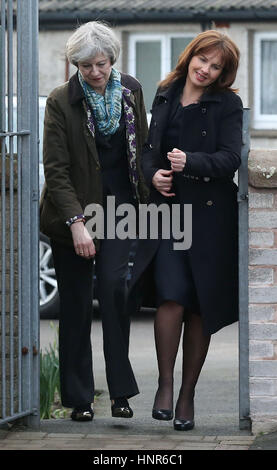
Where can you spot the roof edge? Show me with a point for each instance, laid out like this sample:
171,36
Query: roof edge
119,17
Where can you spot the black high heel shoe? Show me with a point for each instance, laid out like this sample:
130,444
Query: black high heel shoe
121,408
163,415
183,424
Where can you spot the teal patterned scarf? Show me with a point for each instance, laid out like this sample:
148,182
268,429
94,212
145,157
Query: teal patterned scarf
107,108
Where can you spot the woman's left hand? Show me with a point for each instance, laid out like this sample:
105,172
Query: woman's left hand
177,159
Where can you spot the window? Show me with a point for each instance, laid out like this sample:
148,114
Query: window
265,79
152,57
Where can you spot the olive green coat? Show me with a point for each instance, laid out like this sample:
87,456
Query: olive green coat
71,163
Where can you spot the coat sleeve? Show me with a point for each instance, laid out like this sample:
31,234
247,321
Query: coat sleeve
56,160
226,160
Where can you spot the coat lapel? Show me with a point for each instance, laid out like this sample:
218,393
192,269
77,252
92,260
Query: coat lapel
160,109
89,132
162,104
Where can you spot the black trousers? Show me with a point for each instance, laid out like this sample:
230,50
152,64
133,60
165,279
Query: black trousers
75,284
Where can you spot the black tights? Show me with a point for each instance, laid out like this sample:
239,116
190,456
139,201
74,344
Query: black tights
168,329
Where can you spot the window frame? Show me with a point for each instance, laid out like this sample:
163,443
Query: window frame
261,121
165,39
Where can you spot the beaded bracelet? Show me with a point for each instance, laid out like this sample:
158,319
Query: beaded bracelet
71,221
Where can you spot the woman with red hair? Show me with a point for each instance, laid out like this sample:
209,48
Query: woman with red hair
192,153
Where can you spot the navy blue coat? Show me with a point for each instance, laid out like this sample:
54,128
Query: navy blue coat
212,141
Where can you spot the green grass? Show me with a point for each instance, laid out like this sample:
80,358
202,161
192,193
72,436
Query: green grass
50,406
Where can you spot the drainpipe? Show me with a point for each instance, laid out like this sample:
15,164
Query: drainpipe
205,25
2,85
2,95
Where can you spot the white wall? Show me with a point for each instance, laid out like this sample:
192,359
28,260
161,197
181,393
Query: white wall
51,59
53,64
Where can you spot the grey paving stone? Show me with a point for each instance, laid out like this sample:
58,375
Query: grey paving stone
26,435
231,447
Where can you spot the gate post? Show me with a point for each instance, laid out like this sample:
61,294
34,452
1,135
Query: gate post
244,398
27,20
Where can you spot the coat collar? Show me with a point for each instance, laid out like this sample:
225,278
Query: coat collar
167,93
216,96
76,93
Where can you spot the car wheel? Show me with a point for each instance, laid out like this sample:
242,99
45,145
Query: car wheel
48,288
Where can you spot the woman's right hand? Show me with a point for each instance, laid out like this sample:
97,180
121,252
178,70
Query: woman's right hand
162,181
82,240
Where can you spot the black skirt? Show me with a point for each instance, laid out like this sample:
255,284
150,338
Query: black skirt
173,277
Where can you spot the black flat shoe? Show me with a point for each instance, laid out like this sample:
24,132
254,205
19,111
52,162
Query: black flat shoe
163,415
183,424
122,412
121,408
82,415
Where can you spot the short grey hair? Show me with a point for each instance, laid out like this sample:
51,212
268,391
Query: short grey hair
91,39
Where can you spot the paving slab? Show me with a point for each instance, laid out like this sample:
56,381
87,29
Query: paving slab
66,441
231,447
265,442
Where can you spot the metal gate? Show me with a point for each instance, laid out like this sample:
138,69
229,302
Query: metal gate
19,368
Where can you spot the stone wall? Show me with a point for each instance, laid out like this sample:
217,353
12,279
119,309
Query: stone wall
263,289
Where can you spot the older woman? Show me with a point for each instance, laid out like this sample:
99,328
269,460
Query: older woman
192,153
95,126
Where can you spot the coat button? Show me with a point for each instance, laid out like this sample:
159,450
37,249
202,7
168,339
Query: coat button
204,133
154,124
209,203
204,110
206,179
151,146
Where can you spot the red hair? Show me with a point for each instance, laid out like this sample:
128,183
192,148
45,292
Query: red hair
202,43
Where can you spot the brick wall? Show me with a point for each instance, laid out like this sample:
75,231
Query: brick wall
263,290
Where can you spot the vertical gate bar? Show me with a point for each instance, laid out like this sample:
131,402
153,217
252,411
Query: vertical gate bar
34,418
11,194
25,65
3,208
19,161
244,399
